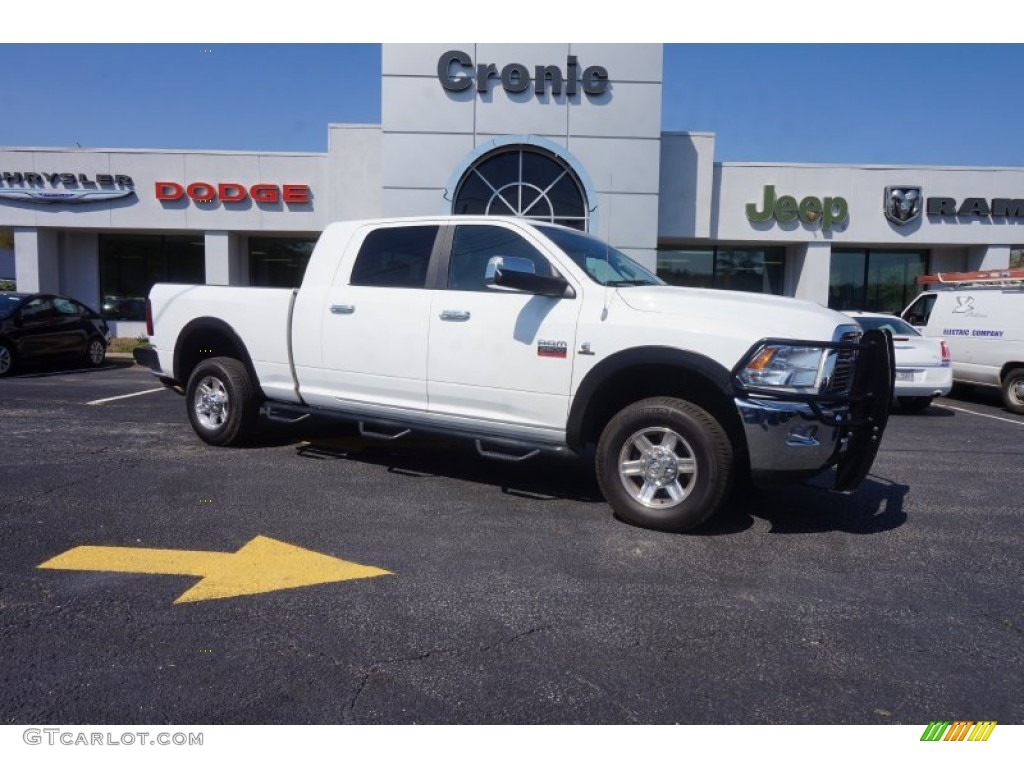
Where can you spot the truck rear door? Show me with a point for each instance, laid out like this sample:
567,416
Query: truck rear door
376,320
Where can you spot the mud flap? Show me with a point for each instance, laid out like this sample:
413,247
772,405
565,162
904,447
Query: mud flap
872,391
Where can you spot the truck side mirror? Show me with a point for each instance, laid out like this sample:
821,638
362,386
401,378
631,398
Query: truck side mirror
520,274
498,264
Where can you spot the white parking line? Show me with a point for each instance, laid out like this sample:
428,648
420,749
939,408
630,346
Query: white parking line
983,415
122,397
47,374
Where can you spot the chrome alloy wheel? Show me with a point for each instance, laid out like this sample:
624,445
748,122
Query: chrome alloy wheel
211,403
657,467
5,359
97,351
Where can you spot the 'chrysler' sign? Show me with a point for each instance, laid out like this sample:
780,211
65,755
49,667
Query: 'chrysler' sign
35,187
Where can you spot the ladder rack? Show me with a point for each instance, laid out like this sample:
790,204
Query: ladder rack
997,277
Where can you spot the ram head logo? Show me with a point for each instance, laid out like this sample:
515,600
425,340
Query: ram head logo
902,204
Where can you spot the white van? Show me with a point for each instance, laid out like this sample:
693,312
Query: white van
981,316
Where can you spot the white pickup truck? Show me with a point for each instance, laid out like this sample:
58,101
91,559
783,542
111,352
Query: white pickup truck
528,337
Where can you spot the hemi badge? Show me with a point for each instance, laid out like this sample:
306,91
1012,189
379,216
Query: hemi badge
552,348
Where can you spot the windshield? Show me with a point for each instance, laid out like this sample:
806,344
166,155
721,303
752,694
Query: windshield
600,261
894,325
9,302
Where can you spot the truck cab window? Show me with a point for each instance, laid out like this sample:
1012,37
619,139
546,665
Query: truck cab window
474,246
919,312
395,257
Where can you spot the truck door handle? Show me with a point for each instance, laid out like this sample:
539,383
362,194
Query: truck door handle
455,315
342,309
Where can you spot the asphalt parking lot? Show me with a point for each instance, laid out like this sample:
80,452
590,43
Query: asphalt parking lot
511,594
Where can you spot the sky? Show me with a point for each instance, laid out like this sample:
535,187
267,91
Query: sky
893,103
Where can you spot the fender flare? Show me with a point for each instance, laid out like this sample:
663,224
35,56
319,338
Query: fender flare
211,325
684,360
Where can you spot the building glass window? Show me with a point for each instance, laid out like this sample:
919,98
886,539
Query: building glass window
278,262
1016,257
874,280
131,264
523,180
755,270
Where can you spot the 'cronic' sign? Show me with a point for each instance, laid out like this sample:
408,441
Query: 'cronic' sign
456,71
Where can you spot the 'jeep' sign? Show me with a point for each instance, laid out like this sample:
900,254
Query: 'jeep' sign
832,211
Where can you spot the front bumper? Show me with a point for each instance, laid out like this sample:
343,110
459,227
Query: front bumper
791,437
788,440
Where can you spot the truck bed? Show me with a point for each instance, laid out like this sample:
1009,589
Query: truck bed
260,316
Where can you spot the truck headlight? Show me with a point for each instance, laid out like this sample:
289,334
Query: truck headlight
788,367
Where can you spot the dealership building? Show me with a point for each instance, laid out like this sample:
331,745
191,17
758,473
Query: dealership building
569,133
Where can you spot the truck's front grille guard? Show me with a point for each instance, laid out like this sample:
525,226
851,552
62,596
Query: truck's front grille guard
844,371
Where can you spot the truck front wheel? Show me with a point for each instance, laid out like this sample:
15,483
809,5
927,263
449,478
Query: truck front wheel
664,463
221,400
1013,391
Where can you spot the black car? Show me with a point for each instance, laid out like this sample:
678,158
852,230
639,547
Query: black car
35,326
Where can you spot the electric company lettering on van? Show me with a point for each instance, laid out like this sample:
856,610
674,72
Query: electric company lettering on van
970,332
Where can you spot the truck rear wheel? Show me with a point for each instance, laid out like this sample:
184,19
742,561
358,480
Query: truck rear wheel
664,463
221,401
1013,391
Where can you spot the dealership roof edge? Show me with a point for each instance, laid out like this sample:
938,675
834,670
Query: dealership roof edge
868,166
151,150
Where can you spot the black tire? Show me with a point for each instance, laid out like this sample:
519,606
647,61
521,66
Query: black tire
642,460
914,403
6,359
1013,391
221,401
95,352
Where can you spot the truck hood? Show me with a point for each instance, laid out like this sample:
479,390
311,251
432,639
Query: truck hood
774,316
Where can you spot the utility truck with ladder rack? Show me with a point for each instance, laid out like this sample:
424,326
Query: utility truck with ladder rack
981,316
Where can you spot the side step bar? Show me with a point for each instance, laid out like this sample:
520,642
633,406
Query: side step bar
495,448
381,435
528,451
283,414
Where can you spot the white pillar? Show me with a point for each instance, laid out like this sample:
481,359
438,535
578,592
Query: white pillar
808,268
223,262
80,267
35,260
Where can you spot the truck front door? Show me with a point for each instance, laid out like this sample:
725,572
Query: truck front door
499,355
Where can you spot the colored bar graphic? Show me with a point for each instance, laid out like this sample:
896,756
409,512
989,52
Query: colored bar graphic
982,730
958,730
935,730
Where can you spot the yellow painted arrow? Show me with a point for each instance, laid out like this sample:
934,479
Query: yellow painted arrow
262,565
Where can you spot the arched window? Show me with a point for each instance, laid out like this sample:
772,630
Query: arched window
523,180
